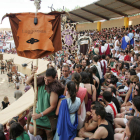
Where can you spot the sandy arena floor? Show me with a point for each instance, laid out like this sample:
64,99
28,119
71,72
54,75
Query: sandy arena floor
5,90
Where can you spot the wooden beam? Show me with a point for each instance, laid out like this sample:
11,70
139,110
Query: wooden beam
112,10
130,4
81,17
99,15
71,19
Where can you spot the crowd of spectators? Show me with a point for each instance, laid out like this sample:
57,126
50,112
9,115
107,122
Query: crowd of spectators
97,96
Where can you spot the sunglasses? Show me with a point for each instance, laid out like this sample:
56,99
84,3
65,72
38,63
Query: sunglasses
136,89
133,82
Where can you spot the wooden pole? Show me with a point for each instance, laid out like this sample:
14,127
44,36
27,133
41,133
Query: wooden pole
35,97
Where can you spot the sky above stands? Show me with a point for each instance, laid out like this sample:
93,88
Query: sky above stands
19,6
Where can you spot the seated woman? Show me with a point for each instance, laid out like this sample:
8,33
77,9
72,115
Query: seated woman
17,132
91,90
67,111
121,122
131,132
130,94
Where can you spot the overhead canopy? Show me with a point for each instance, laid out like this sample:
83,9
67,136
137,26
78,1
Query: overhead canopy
105,10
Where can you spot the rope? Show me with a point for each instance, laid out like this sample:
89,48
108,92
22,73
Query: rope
37,5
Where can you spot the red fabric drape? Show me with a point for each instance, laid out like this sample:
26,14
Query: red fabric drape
107,50
104,69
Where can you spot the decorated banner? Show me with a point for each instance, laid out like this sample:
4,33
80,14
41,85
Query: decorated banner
36,41
69,37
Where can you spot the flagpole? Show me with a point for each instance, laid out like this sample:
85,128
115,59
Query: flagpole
35,97
37,4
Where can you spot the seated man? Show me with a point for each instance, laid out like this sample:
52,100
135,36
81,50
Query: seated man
114,99
109,105
90,125
104,130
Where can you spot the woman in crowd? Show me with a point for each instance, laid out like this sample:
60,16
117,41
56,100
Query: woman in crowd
83,95
2,136
132,130
96,81
67,111
17,132
91,90
5,102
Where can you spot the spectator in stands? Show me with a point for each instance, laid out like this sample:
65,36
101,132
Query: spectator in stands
17,132
96,81
127,57
112,89
103,64
109,105
117,44
78,68
17,93
83,63
104,130
66,76
131,36
67,111
90,125
128,99
99,72
2,136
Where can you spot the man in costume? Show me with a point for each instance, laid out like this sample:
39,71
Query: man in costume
84,43
102,49
125,41
49,91
131,36
96,50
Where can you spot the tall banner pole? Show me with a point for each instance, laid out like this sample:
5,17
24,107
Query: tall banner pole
35,97
37,4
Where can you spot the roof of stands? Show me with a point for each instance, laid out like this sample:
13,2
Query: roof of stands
105,10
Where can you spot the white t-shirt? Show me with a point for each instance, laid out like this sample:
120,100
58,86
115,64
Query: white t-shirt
117,47
102,62
32,137
117,55
110,110
132,59
121,57
69,62
138,74
103,49
98,63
